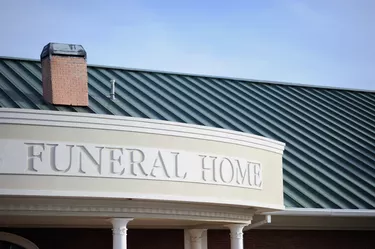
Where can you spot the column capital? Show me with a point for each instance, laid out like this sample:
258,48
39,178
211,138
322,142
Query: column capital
236,235
235,227
120,225
120,222
196,234
196,238
236,230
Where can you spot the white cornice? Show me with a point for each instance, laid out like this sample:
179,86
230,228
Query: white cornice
130,124
127,195
123,208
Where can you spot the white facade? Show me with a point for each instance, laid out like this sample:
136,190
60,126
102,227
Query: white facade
137,172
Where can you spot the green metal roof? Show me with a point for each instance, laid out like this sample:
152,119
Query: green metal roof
329,160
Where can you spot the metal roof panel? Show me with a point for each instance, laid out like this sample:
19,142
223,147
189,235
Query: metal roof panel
329,159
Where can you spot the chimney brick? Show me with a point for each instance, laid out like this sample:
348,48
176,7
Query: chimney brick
64,75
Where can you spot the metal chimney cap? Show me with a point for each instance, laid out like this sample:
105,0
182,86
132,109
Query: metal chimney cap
63,49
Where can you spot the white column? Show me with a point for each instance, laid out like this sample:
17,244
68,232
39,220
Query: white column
196,238
119,232
236,235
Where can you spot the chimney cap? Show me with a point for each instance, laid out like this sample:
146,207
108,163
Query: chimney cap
63,49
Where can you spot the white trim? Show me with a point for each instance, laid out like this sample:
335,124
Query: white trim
195,199
18,240
142,209
267,220
130,124
324,212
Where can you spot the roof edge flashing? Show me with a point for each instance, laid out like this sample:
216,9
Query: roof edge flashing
320,212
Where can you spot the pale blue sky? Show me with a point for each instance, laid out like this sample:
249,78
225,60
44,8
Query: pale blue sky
320,42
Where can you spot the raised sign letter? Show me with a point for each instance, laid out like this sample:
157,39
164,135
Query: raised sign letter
113,159
162,165
176,166
222,173
204,169
257,174
31,155
97,163
240,176
53,157
133,162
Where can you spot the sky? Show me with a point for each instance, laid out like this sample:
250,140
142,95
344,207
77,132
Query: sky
316,42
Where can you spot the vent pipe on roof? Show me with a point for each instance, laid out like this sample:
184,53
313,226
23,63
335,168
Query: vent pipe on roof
113,89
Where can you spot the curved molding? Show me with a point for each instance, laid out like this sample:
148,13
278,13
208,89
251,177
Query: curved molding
18,240
120,195
138,212
125,208
141,125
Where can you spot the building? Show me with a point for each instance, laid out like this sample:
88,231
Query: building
101,157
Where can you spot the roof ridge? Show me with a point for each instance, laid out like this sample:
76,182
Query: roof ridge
270,82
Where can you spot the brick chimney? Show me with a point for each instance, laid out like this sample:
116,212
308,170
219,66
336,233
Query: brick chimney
64,74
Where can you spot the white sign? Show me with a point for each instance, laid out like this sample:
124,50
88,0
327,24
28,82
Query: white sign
128,162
